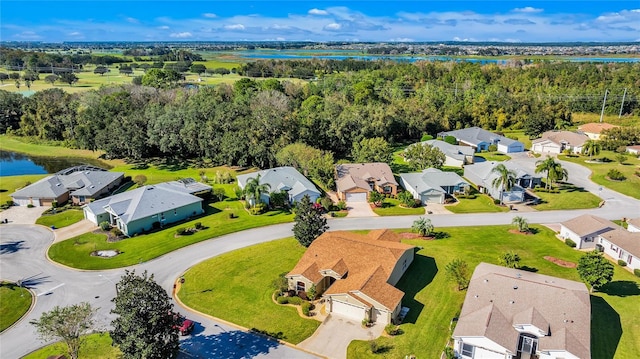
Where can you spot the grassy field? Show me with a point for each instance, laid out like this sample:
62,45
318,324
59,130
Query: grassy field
97,346
570,197
519,135
21,144
582,118
14,303
630,186
482,203
493,156
61,219
76,252
391,207
237,287
10,184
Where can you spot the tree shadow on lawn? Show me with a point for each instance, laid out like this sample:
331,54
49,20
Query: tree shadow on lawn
606,329
621,288
419,275
228,344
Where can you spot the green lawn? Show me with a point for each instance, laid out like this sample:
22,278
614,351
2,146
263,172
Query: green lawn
434,301
97,346
10,184
62,219
75,252
14,303
519,135
391,207
630,186
492,156
570,197
237,287
482,203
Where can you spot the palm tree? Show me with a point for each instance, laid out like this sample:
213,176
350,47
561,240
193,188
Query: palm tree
254,190
591,148
423,226
521,223
557,173
505,180
546,165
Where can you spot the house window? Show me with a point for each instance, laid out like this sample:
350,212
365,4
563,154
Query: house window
404,265
371,185
300,286
613,248
467,350
528,344
629,258
387,189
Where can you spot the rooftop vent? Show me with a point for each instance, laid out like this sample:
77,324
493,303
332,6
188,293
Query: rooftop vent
512,302
475,296
486,281
515,287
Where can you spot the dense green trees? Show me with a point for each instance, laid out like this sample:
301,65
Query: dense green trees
595,269
421,156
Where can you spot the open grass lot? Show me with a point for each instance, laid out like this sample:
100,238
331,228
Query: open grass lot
10,184
482,203
75,252
630,186
237,287
97,346
61,219
14,303
391,207
519,135
21,144
492,156
434,301
581,118
570,197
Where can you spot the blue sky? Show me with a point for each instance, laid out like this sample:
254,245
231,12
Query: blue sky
390,20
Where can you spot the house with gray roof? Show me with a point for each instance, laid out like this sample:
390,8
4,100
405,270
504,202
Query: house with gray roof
455,156
146,208
286,179
511,313
480,139
78,184
354,181
481,175
432,185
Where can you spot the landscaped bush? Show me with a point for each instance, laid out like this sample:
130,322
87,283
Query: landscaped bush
391,329
116,232
326,203
282,299
259,208
426,137
232,215
198,225
181,231
105,226
616,175
622,263
295,300
636,272
570,243
342,205
30,205
306,308
496,201
54,204
493,148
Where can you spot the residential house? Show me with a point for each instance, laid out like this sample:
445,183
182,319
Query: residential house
634,150
432,185
286,179
594,129
355,273
482,176
481,139
584,230
148,207
558,141
455,156
81,184
511,313
633,224
621,244
354,181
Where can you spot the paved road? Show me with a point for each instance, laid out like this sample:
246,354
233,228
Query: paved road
22,256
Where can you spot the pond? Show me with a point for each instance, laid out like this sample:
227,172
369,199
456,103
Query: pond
16,164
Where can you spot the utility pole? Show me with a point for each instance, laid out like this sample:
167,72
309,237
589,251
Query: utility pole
604,102
622,104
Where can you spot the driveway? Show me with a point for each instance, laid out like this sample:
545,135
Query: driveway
22,214
333,336
360,209
73,230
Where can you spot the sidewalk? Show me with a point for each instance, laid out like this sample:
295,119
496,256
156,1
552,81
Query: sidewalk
73,230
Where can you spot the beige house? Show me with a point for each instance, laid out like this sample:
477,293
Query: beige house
511,313
354,181
594,129
558,141
355,273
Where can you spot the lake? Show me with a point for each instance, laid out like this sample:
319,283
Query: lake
15,164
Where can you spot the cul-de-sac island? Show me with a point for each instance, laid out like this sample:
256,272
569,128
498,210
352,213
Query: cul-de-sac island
319,200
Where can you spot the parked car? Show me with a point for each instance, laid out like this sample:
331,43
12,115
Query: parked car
186,327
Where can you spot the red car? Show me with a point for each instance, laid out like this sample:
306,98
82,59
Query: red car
186,327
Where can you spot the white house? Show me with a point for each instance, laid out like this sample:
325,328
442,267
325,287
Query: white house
432,185
510,313
620,244
481,139
584,230
286,179
633,225
558,141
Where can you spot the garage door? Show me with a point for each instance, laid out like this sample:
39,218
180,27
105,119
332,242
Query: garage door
347,310
22,202
357,197
91,217
433,198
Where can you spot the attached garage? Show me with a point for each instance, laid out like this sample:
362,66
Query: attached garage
356,197
347,310
21,201
432,198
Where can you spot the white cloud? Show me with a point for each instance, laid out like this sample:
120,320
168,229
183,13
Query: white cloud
234,27
75,33
318,12
132,20
402,39
333,27
528,9
181,35
28,35
210,15
165,27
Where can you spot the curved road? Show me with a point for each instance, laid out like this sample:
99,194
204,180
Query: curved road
23,257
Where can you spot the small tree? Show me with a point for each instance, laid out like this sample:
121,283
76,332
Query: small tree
458,272
68,78
505,180
621,157
140,180
406,198
309,222
67,324
595,269
313,292
376,198
101,70
521,223
591,148
423,226
422,155
510,260
253,190
51,79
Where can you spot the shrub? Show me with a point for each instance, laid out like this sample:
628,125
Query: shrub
342,205
295,300
198,225
449,353
622,263
259,208
392,329
282,299
365,322
616,175
570,243
326,203
9,203
426,137
116,232
636,272
406,198
496,201
30,205
451,140
232,215
140,180
306,308
105,226
493,148
54,204
239,193
181,231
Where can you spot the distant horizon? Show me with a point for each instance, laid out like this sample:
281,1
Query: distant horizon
421,21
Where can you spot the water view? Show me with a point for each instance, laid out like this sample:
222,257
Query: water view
15,164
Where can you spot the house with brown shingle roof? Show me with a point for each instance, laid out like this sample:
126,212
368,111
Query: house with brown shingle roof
558,141
510,313
621,244
355,273
584,230
594,129
354,181
633,224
